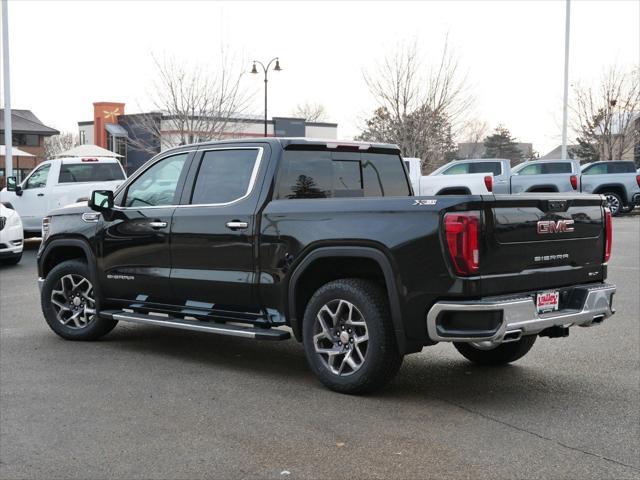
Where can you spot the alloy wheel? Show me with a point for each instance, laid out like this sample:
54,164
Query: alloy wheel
73,301
341,337
614,203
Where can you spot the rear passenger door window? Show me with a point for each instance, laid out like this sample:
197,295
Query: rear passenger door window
225,176
620,167
494,168
551,168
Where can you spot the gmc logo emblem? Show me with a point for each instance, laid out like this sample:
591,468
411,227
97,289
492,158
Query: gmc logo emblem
550,226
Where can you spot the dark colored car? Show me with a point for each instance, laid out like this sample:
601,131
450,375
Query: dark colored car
246,238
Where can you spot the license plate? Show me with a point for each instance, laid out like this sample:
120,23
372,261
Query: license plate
547,301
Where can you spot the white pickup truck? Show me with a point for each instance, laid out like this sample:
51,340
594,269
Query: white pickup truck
57,183
436,184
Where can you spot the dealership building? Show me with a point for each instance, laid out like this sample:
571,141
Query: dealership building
137,137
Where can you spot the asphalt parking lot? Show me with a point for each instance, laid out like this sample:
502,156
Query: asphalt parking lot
148,402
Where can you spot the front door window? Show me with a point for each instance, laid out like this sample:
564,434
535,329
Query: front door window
38,179
158,185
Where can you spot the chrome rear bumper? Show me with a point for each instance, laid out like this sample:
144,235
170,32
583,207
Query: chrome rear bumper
519,315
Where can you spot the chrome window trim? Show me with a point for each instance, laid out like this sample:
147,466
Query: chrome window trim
252,179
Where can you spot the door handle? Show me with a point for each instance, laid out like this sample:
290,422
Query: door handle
41,194
237,225
157,224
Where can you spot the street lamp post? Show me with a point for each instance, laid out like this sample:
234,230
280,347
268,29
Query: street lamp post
266,71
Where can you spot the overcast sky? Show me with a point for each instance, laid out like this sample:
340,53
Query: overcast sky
66,55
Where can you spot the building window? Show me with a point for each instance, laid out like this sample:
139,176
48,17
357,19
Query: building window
118,145
23,140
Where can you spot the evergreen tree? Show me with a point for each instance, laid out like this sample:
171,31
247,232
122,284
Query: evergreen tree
306,187
502,145
587,141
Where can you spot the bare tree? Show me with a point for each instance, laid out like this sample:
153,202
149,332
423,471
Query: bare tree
606,116
56,144
311,112
419,109
190,105
473,134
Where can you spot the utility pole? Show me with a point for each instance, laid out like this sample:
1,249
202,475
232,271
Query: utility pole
8,132
565,105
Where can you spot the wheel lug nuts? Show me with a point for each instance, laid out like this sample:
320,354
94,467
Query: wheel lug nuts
351,340
342,327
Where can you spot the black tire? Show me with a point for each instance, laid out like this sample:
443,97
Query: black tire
614,202
501,355
13,260
95,328
381,359
626,209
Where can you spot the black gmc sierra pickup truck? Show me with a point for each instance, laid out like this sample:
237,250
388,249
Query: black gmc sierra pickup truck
249,237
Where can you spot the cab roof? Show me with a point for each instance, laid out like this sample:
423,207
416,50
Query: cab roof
295,143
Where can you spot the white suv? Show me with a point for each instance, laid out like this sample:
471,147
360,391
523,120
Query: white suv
11,238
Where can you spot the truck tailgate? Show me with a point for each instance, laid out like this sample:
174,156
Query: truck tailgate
542,241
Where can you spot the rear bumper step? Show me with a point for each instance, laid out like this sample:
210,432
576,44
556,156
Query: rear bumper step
196,325
508,318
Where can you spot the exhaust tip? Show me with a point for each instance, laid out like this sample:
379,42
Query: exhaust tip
597,320
512,336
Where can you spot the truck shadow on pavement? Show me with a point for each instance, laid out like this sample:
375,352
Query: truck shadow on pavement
422,376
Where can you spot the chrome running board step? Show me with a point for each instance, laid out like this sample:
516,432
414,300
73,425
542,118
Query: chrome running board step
196,325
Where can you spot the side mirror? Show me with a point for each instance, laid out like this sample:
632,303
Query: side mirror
101,200
12,184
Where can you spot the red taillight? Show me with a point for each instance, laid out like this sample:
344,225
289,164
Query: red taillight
462,231
638,180
574,181
488,181
608,232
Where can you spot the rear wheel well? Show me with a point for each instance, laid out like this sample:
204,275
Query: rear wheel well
612,189
62,254
454,191
327,269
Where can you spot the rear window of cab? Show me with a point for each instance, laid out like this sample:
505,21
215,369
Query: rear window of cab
324,174
89,172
